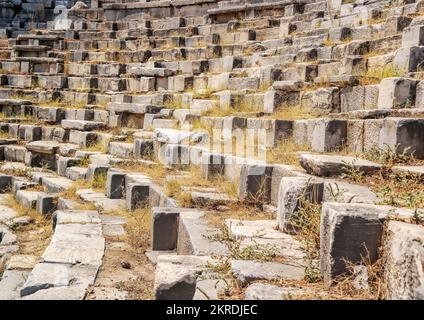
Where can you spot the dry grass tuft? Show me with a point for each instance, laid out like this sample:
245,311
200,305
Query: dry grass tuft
239,105
375,75
285,152
71,192
98,147
138,228
294,113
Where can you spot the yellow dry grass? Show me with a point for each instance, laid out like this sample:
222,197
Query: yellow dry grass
294,113
286,152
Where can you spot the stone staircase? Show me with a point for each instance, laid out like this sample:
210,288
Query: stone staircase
234,150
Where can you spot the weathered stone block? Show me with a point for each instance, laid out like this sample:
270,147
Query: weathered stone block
164,228
349,233
255,183
403,135
46,203
293,193
212,165
137,195
329,135
396,93
115,184
404,258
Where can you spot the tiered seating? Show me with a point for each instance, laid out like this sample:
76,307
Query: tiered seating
227,121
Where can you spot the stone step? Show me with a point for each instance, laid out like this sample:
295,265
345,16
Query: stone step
193,233
248,271
327,165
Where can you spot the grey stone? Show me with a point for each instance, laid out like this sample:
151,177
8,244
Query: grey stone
5,182
292,191
329,165
261,291
28,199
404,256
255,183
44,147
95,170
403,135
82,125
22,262
50,275
46,203
413,36
164,228
329,135
176,276
142,147
350,233
396,93
248,271
212,165
137,195
194,236
56,184
10,283
408,59
115,184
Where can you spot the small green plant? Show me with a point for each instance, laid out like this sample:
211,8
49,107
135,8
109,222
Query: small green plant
335,192
352,172
306,222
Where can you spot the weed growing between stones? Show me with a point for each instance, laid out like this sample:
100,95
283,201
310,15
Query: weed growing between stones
17,172
238,106
4,134
99,181
98,147
71,193
84,162
306,222
389,157
34,236
399,190
138,228
395,189
156,172
351,172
